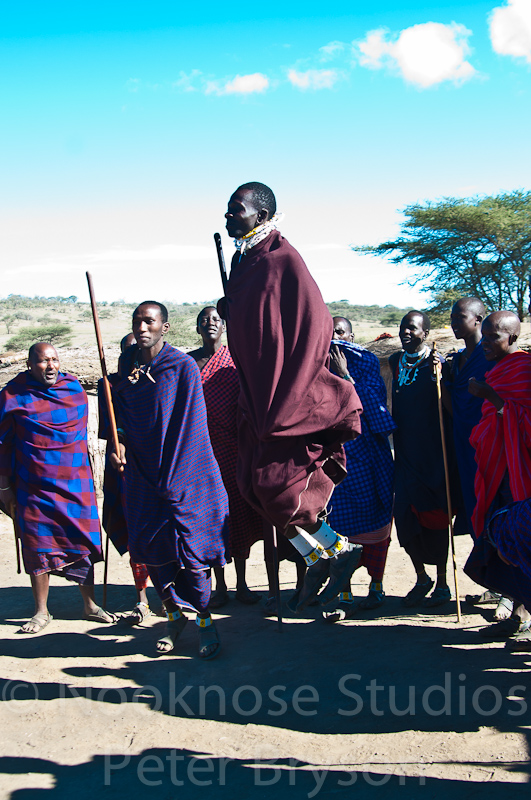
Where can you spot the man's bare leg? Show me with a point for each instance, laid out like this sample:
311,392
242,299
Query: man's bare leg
91,609
243,593
327,555
40,586
220,596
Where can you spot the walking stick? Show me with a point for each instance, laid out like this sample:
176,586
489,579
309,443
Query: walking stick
17,545
447,480
224,281
110,411
277,578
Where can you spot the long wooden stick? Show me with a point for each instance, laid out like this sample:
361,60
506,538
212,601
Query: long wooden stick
447,480
110,410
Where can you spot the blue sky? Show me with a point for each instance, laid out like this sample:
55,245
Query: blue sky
126,128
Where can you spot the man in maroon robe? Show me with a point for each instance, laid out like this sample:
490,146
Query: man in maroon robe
294,414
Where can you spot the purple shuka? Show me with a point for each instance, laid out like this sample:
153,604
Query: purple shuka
175,503
43,448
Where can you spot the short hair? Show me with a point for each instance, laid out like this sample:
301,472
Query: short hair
35,345
162,308
263,196
206,308
123,342
426,323
349,323
474,304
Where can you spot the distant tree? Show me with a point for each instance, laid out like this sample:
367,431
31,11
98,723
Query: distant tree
478,246
441,307
57,335
9,320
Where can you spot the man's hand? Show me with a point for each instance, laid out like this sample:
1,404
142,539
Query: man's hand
338,361
435,363
486,392
118,462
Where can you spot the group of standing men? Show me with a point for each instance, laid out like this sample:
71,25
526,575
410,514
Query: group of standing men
281,429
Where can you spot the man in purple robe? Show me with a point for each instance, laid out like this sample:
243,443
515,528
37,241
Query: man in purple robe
294,414
46,482
175,503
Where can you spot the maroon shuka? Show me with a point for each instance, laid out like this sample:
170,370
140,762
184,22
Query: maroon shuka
294,414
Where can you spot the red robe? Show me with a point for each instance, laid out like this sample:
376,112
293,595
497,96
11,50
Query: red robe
294,414
503,442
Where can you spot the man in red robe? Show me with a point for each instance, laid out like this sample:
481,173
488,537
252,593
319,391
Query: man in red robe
294,414
502,440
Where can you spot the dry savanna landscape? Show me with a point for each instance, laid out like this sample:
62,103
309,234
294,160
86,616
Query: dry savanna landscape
396,703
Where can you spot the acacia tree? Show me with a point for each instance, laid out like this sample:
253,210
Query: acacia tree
478,246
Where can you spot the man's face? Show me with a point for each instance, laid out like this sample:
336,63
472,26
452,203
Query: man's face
44,364
495,342
412,334
242,215
210,326
463,321
148,327
341,330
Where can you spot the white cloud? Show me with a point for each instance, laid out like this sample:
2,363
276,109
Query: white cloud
425,54
331,50
132,84
241,84
187,80
510,29
313,78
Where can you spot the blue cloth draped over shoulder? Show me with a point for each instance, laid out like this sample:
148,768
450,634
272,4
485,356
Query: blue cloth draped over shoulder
363,501
466,413
175,503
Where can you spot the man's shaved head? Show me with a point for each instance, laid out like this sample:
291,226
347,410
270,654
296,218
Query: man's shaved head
263,196
346,322
500,332
472,304
503,321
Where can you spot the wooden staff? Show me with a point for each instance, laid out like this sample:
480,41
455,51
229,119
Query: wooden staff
110,410
17,545
447,480
221,262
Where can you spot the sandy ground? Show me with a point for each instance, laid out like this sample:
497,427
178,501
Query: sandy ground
405,705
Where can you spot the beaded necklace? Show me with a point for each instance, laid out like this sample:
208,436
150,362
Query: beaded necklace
408,366
140,369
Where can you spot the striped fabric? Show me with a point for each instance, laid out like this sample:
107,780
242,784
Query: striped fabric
503,442
363,502
43,448
374,557
175,502
221,388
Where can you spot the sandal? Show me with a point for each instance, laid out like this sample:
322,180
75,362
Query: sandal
374,599
271,607
218,599
39,621
418,593
521,643
439,596
482,599
247,597
342,612
505,629
504,609
101,615
137,616
208,636
174,628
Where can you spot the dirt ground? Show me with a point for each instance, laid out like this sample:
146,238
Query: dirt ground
398,703
408,704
